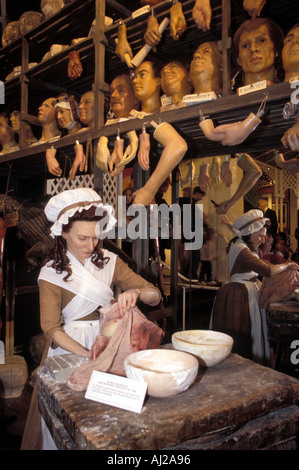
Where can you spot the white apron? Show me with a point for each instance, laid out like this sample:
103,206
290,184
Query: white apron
92,288
259,330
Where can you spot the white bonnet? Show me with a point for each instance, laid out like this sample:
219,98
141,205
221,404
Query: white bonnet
64,205
250,222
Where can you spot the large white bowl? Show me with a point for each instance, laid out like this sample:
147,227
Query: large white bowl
211,347
166,371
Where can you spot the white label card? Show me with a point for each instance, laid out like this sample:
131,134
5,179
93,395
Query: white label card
116,391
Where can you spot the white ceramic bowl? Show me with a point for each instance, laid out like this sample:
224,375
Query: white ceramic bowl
167,372
296,294
211,347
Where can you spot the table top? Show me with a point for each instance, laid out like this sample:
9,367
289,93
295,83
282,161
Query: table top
231,393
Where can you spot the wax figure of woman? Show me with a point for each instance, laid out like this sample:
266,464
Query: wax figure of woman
206,69
236,308
258,44
67,113
47,119
16,127
146,85
175,82
78,279
7,139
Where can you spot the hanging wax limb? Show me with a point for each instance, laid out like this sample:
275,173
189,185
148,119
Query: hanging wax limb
235,133
52,163
144,148
291,136
75,68
202,14
251,174
117,153
79,161
177,21
103,154
140,56
204,180
215,171
152,36
254,7
174,150
129,153
290,165
123,49
226,173
207,127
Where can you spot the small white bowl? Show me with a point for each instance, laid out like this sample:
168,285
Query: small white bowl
167,372
296,294
211,347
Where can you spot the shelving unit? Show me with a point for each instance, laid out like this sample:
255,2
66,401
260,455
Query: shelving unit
101,65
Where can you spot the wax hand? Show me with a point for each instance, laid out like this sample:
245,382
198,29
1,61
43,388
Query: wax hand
127,300
144,148
235,133
52,163
202,14
177,21
129,153
226,174
79,161
293,266
117,153
123,49
291,138
75,68
204,180
152,35
215,171
253,7
103,154
223,207
290,165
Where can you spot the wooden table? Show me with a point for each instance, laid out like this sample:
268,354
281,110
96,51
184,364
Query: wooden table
237,404
283,329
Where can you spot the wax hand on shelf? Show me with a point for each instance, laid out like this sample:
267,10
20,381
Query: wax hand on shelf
123,49
236,133
152,35
144,148
52,163
177,21
204,180
103,154
79,162
226,173
254,7
215,171
202,14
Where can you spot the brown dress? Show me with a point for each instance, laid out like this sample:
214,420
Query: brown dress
52,300
231,312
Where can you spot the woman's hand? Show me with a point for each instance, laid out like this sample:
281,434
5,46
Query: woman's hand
127,300
292,265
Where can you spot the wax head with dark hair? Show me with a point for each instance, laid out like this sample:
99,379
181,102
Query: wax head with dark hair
258,44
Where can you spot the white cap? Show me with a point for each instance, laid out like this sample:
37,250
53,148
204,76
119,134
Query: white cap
64,205
250,222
